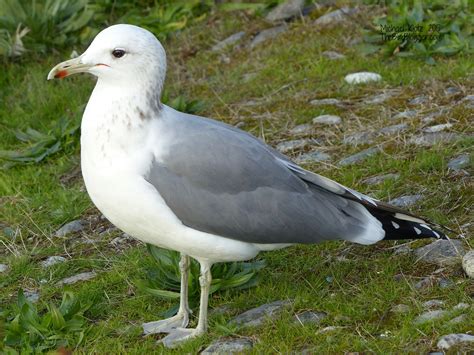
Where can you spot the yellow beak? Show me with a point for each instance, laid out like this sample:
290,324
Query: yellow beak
68,67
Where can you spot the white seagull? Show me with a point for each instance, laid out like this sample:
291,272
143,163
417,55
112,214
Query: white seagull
206,189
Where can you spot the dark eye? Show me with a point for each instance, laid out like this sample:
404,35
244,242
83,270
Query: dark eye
118,53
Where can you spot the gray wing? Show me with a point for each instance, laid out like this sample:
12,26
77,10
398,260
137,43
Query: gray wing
224,181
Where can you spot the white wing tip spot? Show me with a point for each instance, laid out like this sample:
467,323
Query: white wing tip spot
395,225
436,234
418,231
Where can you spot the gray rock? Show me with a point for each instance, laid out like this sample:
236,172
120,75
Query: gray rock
437,128
445,283
418,100
400,308
329,102
429,139
380,98
31,295
461,306
288,146
435,114
460,162
335,17
375,180
312,157
267,34
405,114
362,78
327,119
459,319
3,268
302,129
309,317
118,241
71,227
256,316
229,346
406,201
452,90
441,252
469,100
468,263
448,341
84,276
232,39
432,304
359,156
50,261
430,316
286,10
397,128
358,138
425,282
333,55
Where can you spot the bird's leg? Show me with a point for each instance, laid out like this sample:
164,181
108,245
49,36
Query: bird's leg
181,319
179,335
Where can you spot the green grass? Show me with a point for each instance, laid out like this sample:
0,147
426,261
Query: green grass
288,73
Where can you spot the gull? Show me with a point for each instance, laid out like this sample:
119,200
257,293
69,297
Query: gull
201,187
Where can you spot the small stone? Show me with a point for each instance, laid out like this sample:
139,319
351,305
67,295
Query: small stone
288,146
327,119
380,98
429,139
333,55
441,252
228,41
312,157
448,341
329,102
459,319
461,306
84,276
3,268
406,201
335,17
425,282
124,238
375,180
50,261
468,263
302,129
394,128
405,114
469,99
267,34
71,227
362,77
452,91
432,304
418,100
309,317
31,296
229,346
459,163
430,316
286,10
445,283
359,156
437,128
358,138
256,316
401,308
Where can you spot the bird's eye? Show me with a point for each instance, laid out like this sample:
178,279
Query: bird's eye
118,53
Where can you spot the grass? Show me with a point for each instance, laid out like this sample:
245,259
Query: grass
355,285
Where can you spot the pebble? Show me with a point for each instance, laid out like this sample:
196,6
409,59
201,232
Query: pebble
333,55
84,276
302,129
3,268
375,180
327,119
329,101
448,341
50,261
430,316
437,128
309,317
359,156
425,282
335,17
470,101
459,163
461,306
459,319
120,240
71,227
229,346
432,304
31,296
441,252
394,128
256,316
418,100
400,308
406,200
429,139
286,10
445,283
267,34
312,157
468,264
232,39
358,138
378,99
362,77
405,114
288,146
452,90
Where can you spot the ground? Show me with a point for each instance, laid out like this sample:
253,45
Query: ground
266,90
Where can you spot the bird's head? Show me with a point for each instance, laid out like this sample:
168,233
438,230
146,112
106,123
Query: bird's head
121,54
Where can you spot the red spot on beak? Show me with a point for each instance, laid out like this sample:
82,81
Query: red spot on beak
61,74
